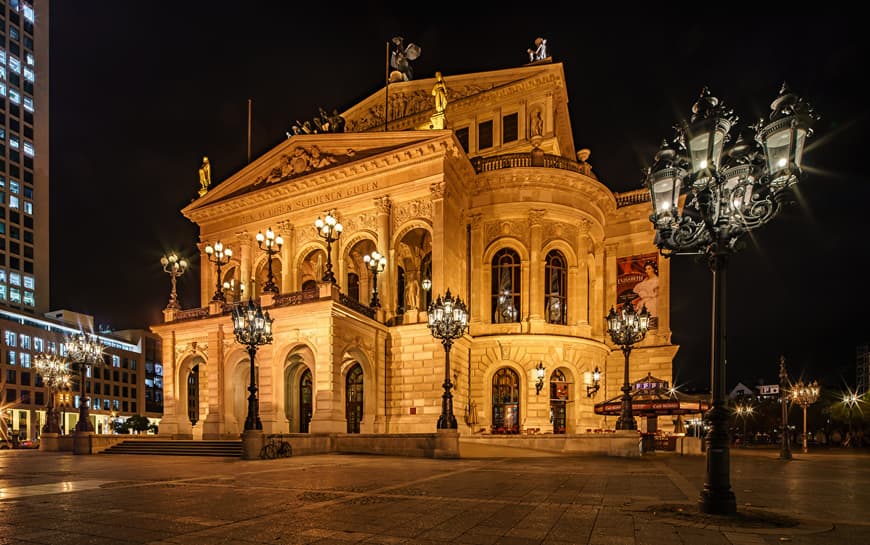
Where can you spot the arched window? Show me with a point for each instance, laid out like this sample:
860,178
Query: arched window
505,401
353,286
505,286
559,394
193,395
309,285
556,288
354,401
305,405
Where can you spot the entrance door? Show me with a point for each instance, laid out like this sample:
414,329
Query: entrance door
193,396
558,401
354,401
505,401
305,406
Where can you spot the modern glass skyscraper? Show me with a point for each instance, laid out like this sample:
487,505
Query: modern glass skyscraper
24,170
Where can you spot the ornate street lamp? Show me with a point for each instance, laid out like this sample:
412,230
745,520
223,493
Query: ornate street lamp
540,373
805,395
175,267
84,352
626,328
729,194
448,320
253,328
55,373
329,229
376,264
271,244
220,256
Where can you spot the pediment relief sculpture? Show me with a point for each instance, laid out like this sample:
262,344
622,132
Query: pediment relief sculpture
303,160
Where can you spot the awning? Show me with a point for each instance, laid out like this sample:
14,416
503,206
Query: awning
652,397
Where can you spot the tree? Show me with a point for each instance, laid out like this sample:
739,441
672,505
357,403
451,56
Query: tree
137,423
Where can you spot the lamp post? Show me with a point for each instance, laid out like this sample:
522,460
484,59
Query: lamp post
55,373
850,399
448,320
329,229
220,256
592,389
729,195
744,411
84,352
805,395
376,264
271,244
626,328
785,450
175,267
540,373
252,328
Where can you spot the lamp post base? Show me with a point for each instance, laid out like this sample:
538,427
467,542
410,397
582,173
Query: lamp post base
252,444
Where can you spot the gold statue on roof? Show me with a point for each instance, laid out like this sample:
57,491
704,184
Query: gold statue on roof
204,176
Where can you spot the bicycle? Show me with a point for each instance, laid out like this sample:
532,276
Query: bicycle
274,449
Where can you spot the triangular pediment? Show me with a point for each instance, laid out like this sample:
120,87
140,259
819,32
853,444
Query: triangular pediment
411,99
302,157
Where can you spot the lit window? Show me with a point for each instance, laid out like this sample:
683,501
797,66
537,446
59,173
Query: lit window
2,292
25,359
14,187
15,295
28,148
27,11
3,73
14,96
29,57
28,298
15,279
116,361
11,338
11,357
28,74
24,341
13,202
2,137
3,57
28,282
2,276
2,89
28,208
2,179
39,344
13,33
28,104
14,64
14,143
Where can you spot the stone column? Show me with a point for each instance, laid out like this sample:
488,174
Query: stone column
289,274
213,424
387,279
581,297
207,280
605,292
169,420
439,192
479,271
536,292
243,240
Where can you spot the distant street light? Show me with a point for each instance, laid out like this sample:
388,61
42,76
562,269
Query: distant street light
329,229
220,256
448,320
705,200
785,450
805,395
376,263
744,411
55,373
84,352
851,400
271,244
626,328
252,328
175,267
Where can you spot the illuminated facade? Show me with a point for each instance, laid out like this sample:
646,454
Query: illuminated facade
498,207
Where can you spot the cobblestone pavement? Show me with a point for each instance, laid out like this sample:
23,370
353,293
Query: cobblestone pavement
59,498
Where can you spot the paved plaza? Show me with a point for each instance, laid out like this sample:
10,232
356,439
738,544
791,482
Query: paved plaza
493,497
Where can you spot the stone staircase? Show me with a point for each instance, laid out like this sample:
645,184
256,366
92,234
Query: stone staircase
172,447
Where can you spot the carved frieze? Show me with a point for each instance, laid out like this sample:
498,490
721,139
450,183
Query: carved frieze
183,350
302,160
356,222
410,210
506,228
557,230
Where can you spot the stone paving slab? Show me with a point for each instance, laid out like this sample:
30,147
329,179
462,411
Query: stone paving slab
59,498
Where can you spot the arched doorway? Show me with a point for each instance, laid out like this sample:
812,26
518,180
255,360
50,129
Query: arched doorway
193,395
354,400
305,405
505,401
558,401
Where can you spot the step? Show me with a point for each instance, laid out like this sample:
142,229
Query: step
229,448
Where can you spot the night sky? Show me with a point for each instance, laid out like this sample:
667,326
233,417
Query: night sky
140,92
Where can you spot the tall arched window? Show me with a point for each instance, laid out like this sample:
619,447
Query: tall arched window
193,395
559,394
305,405
353,286
354,401
505,286
505,401
556,288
